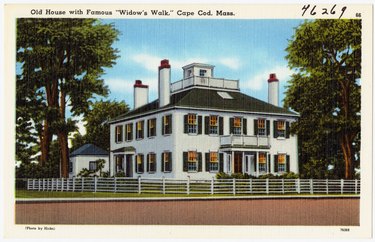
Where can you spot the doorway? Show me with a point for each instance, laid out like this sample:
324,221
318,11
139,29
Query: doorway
128,166
237,162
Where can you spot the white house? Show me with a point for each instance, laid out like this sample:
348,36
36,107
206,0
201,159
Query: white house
201,125
86,157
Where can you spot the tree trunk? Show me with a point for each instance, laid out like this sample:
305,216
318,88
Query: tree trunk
63,138
64,154
45,140
347,149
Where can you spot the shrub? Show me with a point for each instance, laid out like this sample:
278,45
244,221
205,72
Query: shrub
120,174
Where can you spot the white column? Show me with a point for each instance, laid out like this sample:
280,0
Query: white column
232,162
243,163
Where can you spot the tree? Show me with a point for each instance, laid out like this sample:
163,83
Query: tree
326,91
62,63
97,129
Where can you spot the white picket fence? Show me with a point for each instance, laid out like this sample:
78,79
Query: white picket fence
189,186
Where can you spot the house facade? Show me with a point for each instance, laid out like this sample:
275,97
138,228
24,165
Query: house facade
202,125
85,157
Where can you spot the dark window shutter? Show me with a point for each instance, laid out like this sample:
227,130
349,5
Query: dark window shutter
244,126
221,125
206,124
287,130
268,127
221,162
131,133
148,128
275,129
207,156
269,163
185,162
186,124
255,126
170,123
155,163
143,129
199,124
287,163
148,162
231,125
162,162
275,163
162,125
199,161
255,162
170,161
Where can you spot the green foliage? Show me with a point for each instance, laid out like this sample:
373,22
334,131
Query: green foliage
326,94
120,174
289,175
97,130
61,62
99,167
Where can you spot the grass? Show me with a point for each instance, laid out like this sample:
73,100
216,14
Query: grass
49,194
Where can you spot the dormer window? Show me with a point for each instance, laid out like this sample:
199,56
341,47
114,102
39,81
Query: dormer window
202,72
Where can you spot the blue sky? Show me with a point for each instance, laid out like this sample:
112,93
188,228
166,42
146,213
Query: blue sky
247,50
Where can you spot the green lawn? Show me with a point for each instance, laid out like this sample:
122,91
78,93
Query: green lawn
45,194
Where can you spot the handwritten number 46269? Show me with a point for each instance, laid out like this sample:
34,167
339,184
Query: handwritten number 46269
324,10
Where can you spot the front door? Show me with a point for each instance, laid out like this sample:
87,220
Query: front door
128,166
249,164
237,162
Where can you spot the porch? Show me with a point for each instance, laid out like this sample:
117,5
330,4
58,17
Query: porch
254,163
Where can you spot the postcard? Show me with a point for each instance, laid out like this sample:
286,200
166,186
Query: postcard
188,121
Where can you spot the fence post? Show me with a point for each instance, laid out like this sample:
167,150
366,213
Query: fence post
38,184
163,187
82,183
95,183
188,185
139,185
342,186
74,184
298,186
43,184
212,186
234,186
355,186
327,189
33,184
267,186
311,186
251,185
115,181
62,184
282,186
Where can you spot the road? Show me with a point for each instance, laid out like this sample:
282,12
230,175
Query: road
267,211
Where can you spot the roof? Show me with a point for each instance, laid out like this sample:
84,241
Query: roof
209,99
89,149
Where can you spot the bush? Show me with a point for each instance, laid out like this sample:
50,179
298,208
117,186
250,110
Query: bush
289,175
120,174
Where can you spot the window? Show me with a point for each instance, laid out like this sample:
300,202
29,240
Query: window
281,128
214,162
281,163
119,163
237,125
118,133
262,162
167,125
151,131
213,124
166,161
129,132
261,127
92,166
192,123
139,165
70,167
192,161
139,133
202,72
151,167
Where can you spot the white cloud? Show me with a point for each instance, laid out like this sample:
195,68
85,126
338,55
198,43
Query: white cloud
149,62
230,62
259,80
